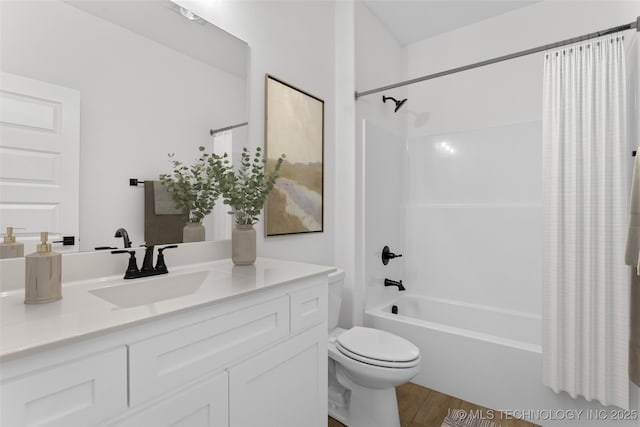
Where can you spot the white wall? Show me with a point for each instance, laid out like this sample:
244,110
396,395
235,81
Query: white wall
293,41
508,92
475,216
136,105
380,60
347,257
380,142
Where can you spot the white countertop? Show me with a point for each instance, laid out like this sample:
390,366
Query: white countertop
80,313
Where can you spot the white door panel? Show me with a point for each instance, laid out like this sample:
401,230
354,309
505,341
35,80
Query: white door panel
39,160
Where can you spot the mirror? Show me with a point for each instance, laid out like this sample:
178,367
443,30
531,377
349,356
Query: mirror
130,82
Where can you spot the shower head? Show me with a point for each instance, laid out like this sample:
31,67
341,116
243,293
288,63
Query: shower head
399,103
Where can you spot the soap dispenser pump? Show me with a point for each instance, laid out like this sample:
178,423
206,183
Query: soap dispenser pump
43,272
9,248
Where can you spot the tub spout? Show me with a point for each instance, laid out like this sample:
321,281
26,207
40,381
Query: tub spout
389,282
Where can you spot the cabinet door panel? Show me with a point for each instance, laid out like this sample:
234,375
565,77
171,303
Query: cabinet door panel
164,362
204,405
285,386
78,393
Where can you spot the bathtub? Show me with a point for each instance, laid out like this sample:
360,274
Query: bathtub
466,349
488,356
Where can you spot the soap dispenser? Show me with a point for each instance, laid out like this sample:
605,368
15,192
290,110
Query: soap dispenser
9,248
43,274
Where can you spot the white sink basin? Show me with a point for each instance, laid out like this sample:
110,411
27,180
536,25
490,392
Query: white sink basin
134,292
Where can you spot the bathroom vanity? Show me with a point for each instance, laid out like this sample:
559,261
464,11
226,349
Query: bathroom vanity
210,344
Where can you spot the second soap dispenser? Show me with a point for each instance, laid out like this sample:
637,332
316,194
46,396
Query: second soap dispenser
9,248
43,273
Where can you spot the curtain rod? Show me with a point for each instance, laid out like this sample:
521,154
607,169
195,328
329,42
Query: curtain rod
239,125
630,26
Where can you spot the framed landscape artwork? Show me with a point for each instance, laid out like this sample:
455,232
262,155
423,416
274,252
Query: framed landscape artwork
294,126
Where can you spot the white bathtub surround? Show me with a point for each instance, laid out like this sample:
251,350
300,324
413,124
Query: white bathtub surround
585,282
384,177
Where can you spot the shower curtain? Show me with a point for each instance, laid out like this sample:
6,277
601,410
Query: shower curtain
222,221
586,288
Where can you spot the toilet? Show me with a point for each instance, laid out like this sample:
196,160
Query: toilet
365,366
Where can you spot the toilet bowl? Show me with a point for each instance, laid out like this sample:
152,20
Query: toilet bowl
365,366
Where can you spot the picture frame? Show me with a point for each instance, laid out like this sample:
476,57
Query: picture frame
294,126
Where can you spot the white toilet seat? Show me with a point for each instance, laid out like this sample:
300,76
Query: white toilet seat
378,348
376,362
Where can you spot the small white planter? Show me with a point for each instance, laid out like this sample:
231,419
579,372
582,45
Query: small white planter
193,232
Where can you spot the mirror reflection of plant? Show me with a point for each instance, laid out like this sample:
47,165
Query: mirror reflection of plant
195,188
246,189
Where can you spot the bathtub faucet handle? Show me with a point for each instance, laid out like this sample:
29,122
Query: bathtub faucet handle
387,255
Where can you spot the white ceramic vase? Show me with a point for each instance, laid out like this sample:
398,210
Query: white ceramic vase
243,244
193,232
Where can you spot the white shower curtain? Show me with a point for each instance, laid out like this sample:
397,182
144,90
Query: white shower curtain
222,221
586,289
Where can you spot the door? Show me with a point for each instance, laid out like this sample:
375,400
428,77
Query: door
204,405
285,386
81,392
39,160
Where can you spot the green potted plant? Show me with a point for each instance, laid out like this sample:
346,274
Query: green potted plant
195,189
245,191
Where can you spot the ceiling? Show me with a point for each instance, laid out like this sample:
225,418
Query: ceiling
414,20
162,22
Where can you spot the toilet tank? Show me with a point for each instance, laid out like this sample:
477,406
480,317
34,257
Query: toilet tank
335,297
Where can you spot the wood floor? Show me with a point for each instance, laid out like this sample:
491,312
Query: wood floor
422,407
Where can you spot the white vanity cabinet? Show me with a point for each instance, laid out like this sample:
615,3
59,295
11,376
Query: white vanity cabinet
286,385
255,360
76,392
163,362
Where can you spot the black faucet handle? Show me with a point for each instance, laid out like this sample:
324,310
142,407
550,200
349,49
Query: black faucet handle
161,267
132,268
387,255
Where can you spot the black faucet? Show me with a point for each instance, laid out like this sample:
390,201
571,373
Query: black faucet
121,232
147,269
389,282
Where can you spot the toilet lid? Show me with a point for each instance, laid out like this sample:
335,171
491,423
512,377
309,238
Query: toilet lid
376,362
378,345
